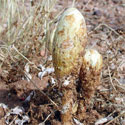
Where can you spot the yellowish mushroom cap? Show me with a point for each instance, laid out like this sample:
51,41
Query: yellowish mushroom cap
92,59
69,42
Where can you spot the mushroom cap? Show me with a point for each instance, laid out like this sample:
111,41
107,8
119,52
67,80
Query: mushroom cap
69,43
93,59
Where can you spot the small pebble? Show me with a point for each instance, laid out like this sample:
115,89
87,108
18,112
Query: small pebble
97,13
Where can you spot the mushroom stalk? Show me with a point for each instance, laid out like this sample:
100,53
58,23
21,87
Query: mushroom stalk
69,98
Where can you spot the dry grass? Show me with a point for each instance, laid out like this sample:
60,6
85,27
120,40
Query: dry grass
24,30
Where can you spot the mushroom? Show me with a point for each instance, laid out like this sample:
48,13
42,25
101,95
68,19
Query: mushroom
68,47
89,78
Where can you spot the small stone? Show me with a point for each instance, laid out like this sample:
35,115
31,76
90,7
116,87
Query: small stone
97,13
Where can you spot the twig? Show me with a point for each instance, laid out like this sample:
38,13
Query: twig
21,54
111,80
47,118
73,3
24,56
111,113
86,5
120,84
118,106
56,19
111,29
122,113
103,24
95,29
121,87
11,123
28,98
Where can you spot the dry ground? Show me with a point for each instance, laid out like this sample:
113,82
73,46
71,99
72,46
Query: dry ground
22,48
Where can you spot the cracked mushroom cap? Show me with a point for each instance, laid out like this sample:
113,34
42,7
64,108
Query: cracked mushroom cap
69,43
